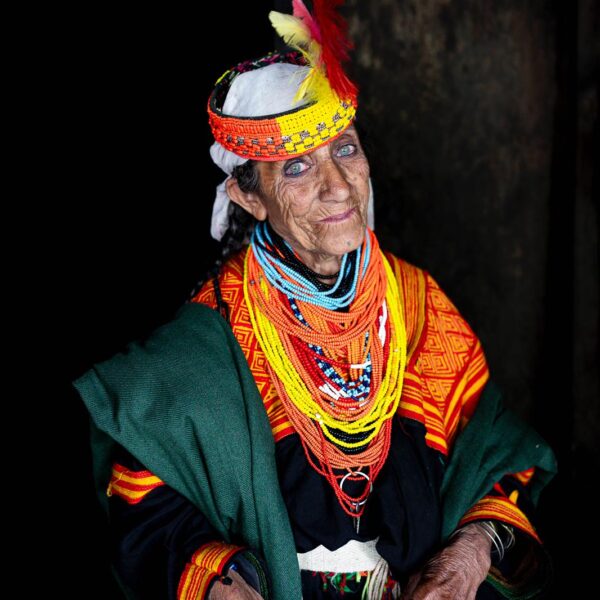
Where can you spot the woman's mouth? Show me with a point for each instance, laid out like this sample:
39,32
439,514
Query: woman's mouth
338,218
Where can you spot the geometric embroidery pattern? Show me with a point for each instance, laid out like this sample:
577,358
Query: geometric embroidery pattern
449,372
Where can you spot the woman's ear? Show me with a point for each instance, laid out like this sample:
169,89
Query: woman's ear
249,201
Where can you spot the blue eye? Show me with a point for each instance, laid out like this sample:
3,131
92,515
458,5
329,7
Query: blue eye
296,168
347,150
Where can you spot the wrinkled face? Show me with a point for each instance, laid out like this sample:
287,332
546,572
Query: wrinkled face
318,201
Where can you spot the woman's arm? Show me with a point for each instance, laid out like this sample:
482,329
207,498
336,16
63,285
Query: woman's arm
162,546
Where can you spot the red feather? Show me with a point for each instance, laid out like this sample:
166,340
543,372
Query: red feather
335,46
300,11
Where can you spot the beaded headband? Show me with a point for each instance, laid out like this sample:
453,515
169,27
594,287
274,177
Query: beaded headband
287,134
330,96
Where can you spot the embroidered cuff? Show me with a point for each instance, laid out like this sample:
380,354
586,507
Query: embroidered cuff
207,564
499,509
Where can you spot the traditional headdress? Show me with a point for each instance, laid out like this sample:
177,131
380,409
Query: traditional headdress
283,104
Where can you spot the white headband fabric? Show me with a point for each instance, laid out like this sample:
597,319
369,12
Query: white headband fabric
266,91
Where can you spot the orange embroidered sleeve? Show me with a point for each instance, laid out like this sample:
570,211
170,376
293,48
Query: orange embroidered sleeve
131,486
505,503
207,564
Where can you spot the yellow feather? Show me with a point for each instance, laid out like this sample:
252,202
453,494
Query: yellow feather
291,29
296,34
314,87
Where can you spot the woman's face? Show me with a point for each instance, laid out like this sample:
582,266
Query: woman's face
318,201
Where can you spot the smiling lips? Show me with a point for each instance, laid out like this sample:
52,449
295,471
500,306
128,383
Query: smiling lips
338,218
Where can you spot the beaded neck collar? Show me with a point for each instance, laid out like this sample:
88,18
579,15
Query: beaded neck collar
276,256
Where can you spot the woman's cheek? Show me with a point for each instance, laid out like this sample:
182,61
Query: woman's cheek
359,171
291,214
296,201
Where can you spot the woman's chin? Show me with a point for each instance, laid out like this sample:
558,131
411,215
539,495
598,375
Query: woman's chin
339,243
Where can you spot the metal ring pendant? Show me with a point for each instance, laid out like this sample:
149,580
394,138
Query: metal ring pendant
357,504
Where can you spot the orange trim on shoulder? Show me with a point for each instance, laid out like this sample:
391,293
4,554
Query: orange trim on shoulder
500,509
131,486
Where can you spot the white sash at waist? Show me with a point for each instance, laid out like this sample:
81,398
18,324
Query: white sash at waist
352,556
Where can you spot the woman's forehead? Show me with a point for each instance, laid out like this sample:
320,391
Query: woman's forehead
267,166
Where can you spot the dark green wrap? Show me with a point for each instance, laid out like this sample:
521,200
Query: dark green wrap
185,404
494,443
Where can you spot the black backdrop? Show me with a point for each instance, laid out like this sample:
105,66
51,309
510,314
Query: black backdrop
482,121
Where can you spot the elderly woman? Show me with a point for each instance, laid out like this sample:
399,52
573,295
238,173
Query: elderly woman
333,432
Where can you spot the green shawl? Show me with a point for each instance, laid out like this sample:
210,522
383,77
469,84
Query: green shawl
185,404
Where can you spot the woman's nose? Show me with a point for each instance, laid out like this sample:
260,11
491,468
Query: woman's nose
334,185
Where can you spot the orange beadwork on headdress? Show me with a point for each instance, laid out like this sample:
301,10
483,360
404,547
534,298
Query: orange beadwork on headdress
281,136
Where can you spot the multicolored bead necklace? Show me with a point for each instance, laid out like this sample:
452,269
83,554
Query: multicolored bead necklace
289,275
337,363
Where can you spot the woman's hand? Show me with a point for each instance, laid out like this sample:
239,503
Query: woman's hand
457,571
238,589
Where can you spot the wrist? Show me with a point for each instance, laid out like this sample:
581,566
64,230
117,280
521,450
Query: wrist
477,531
474,541
501,537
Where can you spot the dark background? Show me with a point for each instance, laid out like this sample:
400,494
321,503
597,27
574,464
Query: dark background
483,138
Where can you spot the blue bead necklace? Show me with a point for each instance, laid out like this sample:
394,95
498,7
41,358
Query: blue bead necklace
276,258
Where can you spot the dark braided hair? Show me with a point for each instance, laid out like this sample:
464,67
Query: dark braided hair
241,225
241,222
